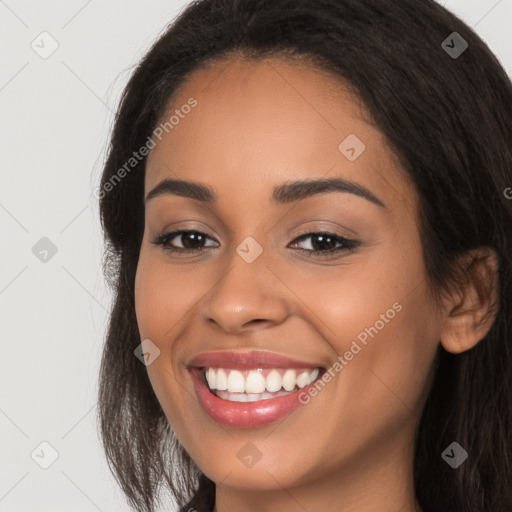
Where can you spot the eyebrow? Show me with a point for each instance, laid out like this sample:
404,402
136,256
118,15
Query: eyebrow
284,193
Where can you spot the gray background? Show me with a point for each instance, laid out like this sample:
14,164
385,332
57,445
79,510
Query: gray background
56,116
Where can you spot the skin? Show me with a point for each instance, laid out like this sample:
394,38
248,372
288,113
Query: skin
256,125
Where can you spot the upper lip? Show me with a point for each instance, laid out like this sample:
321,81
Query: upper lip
247,360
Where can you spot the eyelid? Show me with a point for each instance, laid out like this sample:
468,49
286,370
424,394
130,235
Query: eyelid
302,231
316,230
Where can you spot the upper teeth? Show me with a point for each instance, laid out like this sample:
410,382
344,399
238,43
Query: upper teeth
258,380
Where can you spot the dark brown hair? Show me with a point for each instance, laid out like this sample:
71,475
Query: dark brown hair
449,122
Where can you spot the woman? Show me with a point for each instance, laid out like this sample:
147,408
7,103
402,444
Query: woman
309,241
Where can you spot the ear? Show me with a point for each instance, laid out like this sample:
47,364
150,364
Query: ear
473,306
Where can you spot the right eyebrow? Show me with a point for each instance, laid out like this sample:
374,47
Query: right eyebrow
183,188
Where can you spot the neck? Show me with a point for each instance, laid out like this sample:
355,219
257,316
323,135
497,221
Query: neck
380,481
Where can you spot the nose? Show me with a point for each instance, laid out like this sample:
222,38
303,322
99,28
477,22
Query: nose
247,296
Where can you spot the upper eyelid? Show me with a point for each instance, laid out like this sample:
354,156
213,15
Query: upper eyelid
307,233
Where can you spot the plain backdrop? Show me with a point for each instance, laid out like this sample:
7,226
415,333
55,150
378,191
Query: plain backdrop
56,114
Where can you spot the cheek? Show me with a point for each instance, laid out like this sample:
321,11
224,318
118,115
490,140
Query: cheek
162,302
349,300
378,317
380,323
163,296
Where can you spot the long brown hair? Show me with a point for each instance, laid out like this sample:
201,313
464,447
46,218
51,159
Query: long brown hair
448,120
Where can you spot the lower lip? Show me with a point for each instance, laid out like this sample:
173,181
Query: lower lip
244,414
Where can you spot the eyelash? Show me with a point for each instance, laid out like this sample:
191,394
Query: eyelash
348,245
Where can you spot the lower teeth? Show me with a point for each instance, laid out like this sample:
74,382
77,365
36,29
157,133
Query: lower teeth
249,397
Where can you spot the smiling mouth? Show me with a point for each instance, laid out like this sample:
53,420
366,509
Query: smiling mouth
243,385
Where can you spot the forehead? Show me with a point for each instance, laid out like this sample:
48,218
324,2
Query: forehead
256,123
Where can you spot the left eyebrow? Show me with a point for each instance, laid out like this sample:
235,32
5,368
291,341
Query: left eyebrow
297,190
284,193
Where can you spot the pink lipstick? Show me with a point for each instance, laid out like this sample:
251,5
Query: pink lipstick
249,390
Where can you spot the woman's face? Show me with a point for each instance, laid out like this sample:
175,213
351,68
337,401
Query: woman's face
256,283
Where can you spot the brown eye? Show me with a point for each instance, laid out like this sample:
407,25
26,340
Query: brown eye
182,240
325,243
192,241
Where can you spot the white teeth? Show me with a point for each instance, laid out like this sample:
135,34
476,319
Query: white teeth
289,379
253,383
221,380
273,381
303,379
236,382
242,397
249,397
210,377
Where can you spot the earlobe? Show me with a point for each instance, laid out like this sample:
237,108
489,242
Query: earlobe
473,307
